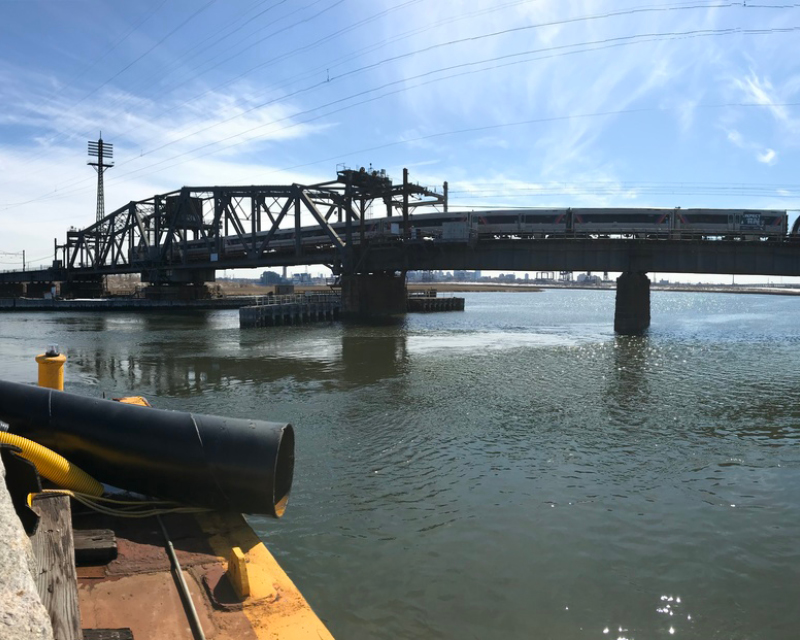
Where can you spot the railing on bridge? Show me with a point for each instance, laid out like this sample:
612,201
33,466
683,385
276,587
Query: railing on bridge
297,298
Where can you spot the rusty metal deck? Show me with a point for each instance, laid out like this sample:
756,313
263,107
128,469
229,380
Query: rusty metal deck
137,590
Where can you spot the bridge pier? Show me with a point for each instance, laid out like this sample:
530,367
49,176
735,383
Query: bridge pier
178,284
12,290
38,289
632,312
85,287
373,296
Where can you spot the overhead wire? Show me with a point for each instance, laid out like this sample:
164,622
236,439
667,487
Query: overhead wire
86,70
663,7
371,66
162,74
608,41
136,60
653,8
281,57
123,100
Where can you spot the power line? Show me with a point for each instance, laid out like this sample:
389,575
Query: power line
194,99
86,70
316,85
139,58
605,43
654,8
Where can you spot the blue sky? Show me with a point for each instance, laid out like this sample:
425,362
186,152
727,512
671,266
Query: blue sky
515,103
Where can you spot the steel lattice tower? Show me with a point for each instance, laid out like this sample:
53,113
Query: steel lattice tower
101,151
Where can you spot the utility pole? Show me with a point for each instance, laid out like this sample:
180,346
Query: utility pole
406,226
102,151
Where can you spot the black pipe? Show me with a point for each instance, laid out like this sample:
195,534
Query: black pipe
226,464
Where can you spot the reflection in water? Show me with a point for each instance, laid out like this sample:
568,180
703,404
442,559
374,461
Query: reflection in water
512,471
183,364
370,355
629,386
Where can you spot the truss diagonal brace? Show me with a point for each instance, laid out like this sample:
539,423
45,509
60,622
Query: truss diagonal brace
320,218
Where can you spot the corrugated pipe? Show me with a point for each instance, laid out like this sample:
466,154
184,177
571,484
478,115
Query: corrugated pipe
54,467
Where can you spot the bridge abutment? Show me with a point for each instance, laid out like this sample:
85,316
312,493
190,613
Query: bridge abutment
39,289
85,287
178,284
12,290
373,296
632,312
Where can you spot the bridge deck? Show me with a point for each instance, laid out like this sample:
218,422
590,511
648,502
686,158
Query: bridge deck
775,258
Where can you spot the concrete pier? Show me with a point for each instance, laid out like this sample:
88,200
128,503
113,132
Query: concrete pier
424,304
83,288
274,311
121,304
374,296
39,289
632,313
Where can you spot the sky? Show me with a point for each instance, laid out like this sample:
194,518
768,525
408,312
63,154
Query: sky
561,103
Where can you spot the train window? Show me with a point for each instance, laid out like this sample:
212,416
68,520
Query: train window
430,222
499,219
542,218
624,218
705,218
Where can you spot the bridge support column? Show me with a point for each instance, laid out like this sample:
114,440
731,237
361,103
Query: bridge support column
39,289
632,313
85,287
12,290
374,296
178,285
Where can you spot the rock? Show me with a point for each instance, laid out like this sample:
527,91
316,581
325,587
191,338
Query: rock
22,616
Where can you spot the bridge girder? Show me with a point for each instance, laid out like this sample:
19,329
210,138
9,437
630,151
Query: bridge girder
196,227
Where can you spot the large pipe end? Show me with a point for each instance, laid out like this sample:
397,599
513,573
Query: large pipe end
284,472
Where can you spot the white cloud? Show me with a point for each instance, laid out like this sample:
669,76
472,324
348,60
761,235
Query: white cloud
761,91
736,138
768,157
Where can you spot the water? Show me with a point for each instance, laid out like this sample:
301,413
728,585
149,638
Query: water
513,471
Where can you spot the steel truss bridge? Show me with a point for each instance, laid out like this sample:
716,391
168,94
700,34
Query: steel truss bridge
185,236
160,236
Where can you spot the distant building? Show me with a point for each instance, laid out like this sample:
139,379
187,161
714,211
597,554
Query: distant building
270,277
587,278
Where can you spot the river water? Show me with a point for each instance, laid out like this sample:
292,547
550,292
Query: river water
512,471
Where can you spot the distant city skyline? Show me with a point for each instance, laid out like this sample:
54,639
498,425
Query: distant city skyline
514,103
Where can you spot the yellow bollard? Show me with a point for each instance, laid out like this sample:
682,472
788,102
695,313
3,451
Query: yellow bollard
51,368
237,573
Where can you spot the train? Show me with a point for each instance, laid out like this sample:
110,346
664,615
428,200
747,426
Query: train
652,223
643,223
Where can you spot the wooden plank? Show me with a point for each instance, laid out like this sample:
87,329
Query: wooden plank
55,578
94,546
107,634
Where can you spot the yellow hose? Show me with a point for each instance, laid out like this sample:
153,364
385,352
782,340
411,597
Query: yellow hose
54,467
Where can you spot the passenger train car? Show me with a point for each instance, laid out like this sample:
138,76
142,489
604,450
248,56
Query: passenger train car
650,223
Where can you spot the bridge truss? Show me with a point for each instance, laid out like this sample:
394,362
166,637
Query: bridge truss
185,235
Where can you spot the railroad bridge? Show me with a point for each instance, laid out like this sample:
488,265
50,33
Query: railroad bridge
361,225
